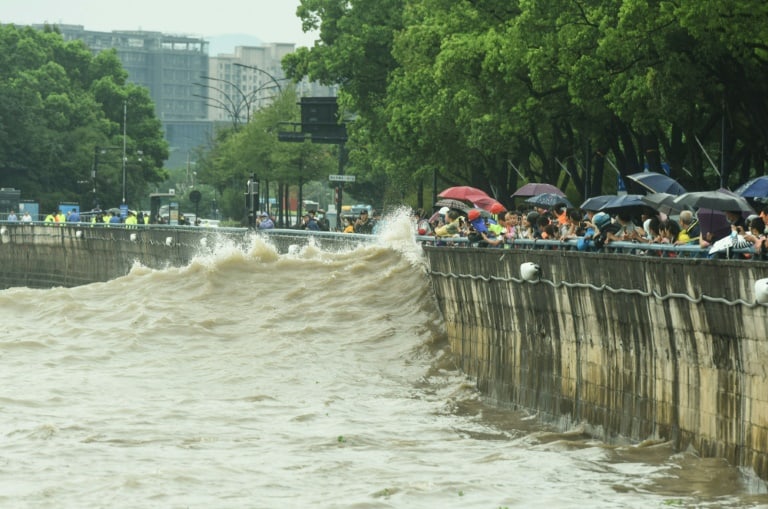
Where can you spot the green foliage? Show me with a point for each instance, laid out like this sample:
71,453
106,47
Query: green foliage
254,149
473,89
57,103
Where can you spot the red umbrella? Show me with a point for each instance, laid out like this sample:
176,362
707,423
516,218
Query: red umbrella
463,193
489,204
535,189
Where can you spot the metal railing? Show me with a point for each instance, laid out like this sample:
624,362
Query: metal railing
576,245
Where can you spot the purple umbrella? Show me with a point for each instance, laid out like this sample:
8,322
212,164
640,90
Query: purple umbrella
535,189
713,221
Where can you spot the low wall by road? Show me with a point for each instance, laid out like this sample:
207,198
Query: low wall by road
636,347
44,255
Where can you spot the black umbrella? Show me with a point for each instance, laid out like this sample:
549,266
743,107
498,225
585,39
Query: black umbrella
663,202
716,200
453,204
596,203
548,200
624,201
657,182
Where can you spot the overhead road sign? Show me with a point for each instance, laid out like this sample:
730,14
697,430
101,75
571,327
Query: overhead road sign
341,178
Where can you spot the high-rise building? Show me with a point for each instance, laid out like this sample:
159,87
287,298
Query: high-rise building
168,66
193,91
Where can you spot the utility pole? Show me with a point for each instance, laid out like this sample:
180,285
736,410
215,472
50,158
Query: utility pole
125,117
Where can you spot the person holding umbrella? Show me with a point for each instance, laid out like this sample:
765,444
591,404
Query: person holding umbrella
736,220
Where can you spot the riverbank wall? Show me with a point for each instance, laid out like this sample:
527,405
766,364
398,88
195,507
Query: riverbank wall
44,255
632,347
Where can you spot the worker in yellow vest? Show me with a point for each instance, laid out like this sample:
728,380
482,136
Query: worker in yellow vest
131,221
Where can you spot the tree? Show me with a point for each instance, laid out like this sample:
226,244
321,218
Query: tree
475,90
57,103
254,149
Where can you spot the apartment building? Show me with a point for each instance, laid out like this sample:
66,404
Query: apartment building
193,91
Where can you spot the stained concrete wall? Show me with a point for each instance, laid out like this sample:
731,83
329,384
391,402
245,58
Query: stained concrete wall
638,347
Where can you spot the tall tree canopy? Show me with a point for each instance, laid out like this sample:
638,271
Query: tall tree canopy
497,92
59,107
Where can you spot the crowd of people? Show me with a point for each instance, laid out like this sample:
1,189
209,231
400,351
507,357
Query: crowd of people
104,217
592,230
498,227
318,221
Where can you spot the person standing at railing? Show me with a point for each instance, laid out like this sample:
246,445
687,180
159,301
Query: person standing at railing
689,229
452,228
763,213
350,227
513,226
363,223
626,232
756,236
12,216
322,221
529,225
265,222
26,217
131,221
574,227
736,220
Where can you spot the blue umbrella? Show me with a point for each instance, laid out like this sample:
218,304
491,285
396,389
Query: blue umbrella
657,182
755,188
548,200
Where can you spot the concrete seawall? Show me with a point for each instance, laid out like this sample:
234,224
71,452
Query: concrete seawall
636,347
39,255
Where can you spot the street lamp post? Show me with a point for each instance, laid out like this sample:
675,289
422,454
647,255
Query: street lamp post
253,67
125,118
236,106
232,107
96,151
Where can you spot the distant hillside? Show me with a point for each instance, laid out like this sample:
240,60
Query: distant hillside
226,43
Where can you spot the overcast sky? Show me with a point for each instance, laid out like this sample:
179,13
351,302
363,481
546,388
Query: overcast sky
267,20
